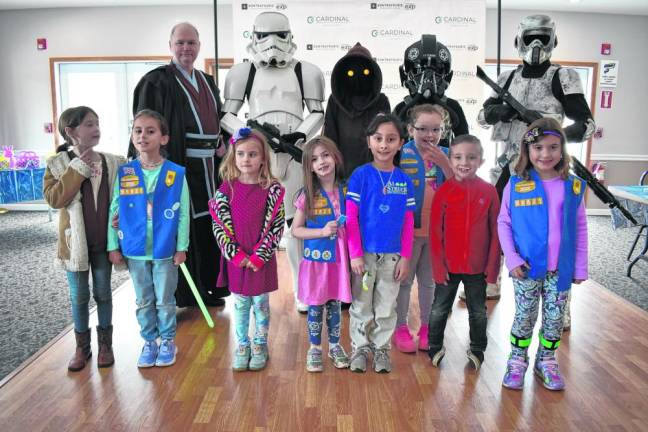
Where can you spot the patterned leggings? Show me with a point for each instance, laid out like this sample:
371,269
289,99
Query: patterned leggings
528,293
260,304
315,318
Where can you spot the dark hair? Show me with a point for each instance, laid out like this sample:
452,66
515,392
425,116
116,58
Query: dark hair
162,123
467,138
534,133
71,118
385,118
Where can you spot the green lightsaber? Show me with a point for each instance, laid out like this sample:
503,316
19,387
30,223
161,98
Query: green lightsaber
196,294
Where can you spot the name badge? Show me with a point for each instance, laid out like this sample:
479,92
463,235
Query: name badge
525,186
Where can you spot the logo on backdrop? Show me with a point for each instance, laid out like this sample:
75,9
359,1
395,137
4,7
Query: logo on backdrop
260,6
467,101
322,47
462,47
392,33
392,6
328,19
396,60
247,34
455,20
463,74
281,6
392,86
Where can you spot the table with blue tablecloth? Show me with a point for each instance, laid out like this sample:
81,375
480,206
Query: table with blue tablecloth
635,199
18,185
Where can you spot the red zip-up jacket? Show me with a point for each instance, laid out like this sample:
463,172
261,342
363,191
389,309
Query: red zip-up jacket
463,230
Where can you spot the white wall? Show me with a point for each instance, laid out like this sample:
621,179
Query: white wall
25,102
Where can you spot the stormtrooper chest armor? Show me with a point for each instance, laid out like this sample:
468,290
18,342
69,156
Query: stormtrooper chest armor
276,98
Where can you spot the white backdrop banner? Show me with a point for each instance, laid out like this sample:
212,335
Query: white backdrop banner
325,30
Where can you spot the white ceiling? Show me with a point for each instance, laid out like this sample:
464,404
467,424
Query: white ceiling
624,7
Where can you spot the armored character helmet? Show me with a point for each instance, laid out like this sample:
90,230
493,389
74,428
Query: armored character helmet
427,67
272,43
536,39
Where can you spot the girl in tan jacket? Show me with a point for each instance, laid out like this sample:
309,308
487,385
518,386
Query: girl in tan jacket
78,182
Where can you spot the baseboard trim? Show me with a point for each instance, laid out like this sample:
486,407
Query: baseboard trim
597,212
26,206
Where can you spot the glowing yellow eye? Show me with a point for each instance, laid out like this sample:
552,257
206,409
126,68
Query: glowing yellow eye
366,72
350,73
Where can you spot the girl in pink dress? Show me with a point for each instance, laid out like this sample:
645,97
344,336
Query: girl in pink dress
248,215
324,271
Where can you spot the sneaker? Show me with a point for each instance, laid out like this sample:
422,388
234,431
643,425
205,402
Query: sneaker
493,291
259,357
515,369
339,357
403,339
476,358
314,360
241,358
301,307
423,339
167,354
436,357
148,355
381,361
462,294
359,360
547,370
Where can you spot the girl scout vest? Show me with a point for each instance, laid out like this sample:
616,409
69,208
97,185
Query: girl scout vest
413,165
530,222
133,199
322,249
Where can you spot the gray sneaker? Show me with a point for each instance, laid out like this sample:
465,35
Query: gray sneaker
359,360
381,361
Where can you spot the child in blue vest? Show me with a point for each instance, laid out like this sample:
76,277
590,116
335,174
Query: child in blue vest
427,166
543,232
380,209
248,214
151,198
324,271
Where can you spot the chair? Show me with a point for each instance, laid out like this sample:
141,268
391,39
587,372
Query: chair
643,181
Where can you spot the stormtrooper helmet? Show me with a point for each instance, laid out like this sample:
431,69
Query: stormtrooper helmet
427,67
272,44
536,39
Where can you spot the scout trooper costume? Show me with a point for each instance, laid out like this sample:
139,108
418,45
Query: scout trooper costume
277,87
539,85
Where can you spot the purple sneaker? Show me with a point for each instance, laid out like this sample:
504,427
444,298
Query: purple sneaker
515,369
547,370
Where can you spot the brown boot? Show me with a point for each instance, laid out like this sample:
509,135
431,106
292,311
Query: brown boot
105,357
82,353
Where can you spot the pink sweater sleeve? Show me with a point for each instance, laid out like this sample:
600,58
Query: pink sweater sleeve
407,235
505,232
353,230
580,263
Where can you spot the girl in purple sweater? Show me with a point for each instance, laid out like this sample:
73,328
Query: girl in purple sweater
543,233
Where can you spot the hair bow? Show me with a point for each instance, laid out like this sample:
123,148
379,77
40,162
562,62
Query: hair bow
240,134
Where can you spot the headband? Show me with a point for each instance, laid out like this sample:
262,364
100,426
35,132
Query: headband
532,136
242,134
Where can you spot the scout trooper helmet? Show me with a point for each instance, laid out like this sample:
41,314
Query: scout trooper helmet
272,43
427,67
536,39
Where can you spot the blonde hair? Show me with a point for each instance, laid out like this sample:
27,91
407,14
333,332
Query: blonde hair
533,134
228,170
312,184
416,111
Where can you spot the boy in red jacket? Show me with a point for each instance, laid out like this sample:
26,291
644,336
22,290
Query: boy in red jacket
464,247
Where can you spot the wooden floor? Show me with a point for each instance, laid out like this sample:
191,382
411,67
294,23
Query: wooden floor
604,360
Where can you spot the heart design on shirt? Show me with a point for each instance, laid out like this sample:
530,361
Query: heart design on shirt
383,208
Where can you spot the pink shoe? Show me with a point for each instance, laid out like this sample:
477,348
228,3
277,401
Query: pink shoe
423,342
403,339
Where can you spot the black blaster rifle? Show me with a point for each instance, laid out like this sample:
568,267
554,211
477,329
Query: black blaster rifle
278,144
529,116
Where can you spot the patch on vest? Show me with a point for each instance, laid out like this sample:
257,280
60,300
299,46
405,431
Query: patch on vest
131,191
129,181
170,178
411,170
528,202
408,161
577,186
306,252
321,212
326,255
525,186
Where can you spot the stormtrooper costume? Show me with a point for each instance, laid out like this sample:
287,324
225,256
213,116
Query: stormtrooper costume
538,84
277,87
426,72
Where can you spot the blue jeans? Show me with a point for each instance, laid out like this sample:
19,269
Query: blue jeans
80,292
155,283
444,296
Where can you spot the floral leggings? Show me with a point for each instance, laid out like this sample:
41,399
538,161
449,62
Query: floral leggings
528,294
315,322
260,305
